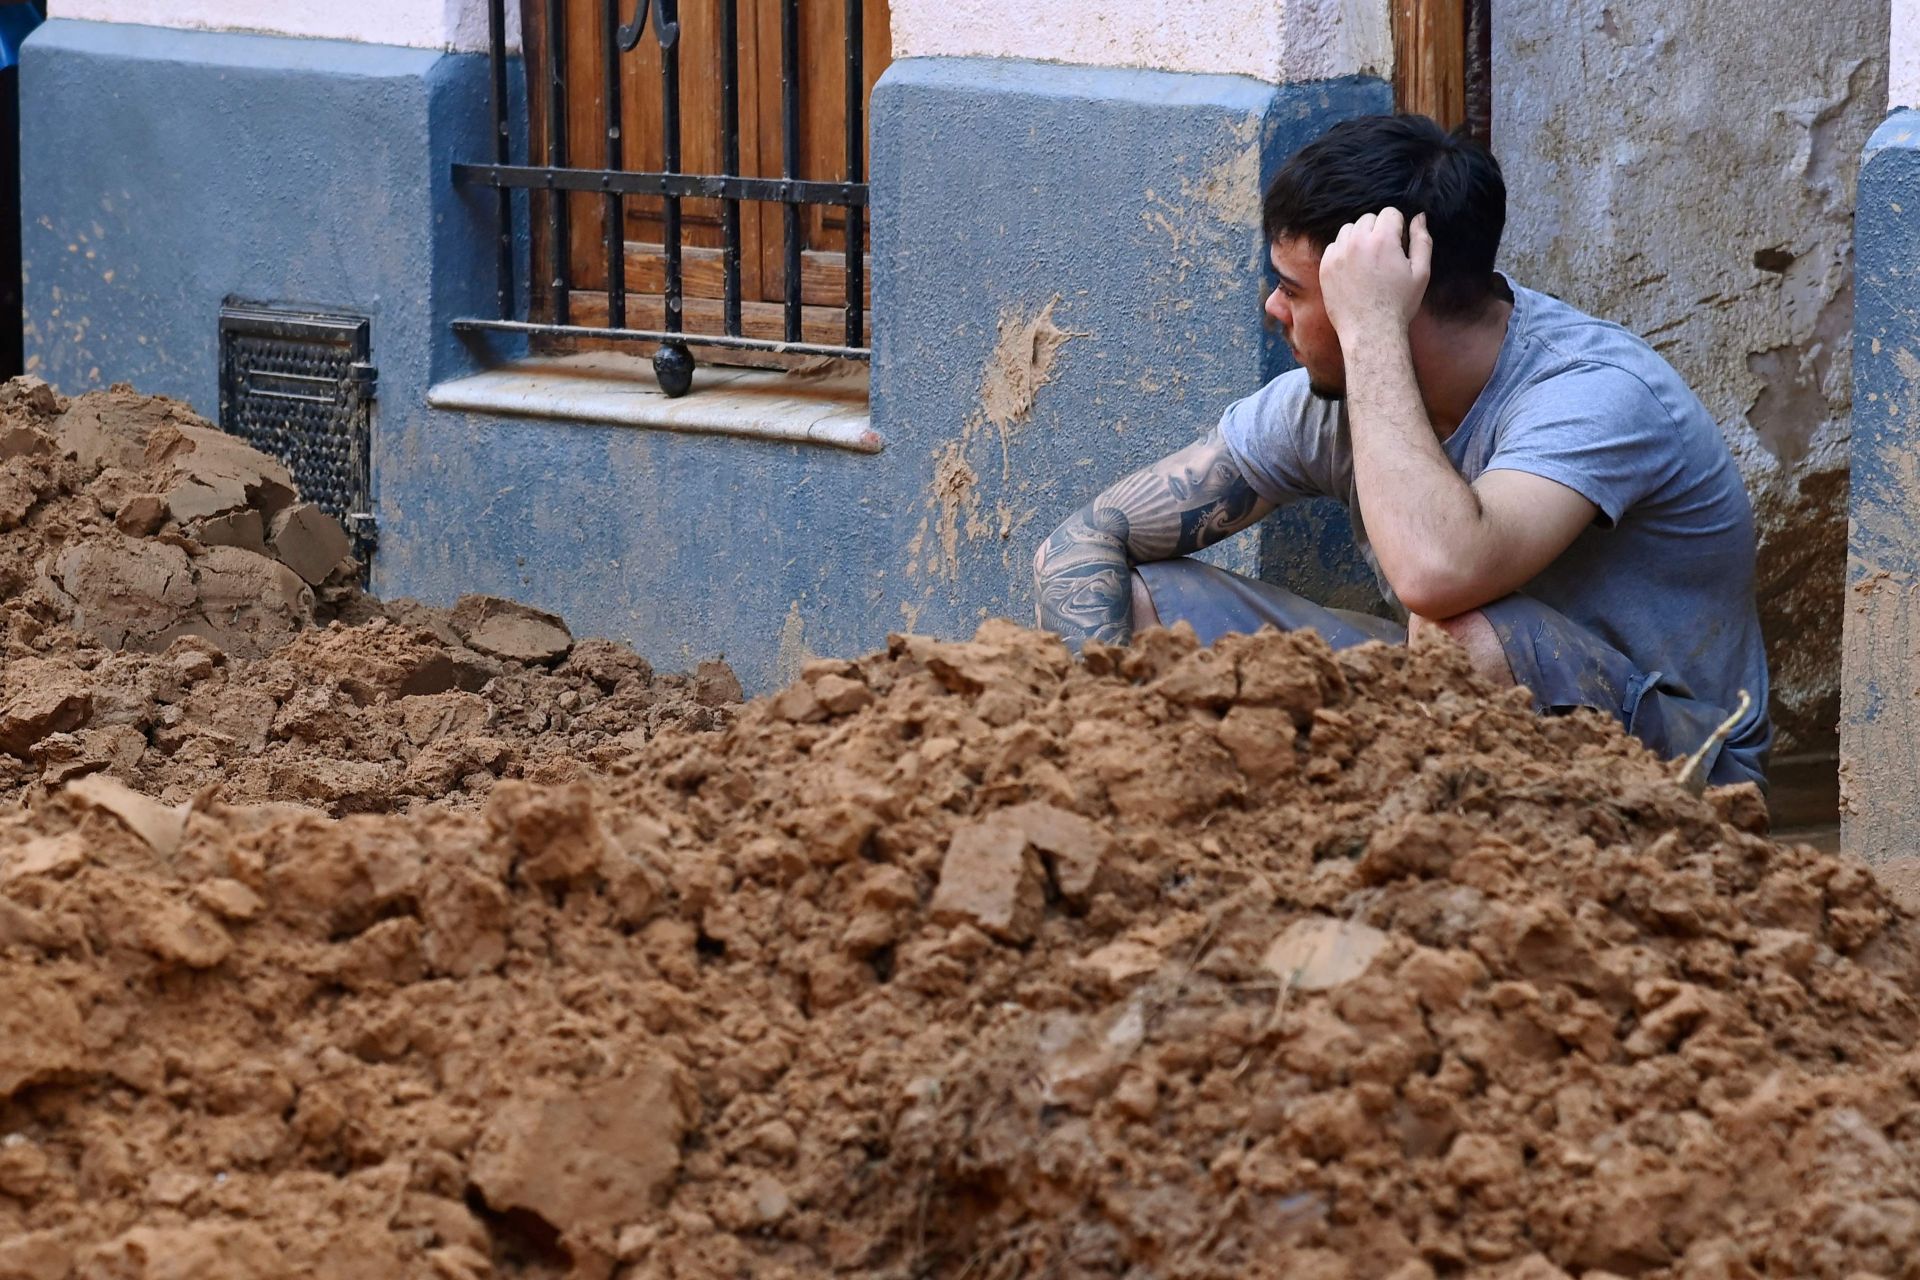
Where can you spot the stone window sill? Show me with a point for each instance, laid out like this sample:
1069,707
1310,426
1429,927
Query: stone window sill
598,387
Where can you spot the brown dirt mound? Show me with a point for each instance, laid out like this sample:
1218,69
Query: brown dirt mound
172,614
966,960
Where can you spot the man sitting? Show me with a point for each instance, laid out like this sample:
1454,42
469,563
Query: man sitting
1537,483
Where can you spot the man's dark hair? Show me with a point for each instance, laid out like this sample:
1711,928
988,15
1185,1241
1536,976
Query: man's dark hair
1361,166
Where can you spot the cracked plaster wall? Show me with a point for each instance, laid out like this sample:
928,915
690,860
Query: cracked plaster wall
1692,178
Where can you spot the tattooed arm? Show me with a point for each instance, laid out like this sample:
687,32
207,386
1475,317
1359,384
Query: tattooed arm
1186,501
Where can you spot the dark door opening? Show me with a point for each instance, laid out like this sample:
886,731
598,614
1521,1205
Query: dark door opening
17,17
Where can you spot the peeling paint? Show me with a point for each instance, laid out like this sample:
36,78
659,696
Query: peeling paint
1794,398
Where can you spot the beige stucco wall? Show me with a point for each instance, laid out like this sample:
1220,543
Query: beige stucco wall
424,24
1903,71
1272,40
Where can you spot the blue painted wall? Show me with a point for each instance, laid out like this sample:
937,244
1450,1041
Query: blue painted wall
1880,708
1133,198
315,172
165,171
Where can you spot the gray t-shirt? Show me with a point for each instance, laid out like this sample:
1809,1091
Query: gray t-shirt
1664,573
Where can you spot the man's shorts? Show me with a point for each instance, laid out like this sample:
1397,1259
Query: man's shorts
1561,663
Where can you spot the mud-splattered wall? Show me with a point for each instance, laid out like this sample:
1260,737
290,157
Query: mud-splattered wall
1693,178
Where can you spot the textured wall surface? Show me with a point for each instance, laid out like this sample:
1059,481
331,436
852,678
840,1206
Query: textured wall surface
1903,76
281,171
425,24
1692,178
1880,727
1081,295
1279,41
1124,207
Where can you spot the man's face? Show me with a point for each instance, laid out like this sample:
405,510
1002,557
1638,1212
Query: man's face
1296,307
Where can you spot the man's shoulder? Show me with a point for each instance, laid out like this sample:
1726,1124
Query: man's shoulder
1288,441
1572,354
1288,401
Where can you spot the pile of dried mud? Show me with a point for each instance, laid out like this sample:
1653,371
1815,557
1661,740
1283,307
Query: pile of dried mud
966,960
173,614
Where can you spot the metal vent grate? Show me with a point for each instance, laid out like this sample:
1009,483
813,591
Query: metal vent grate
298,385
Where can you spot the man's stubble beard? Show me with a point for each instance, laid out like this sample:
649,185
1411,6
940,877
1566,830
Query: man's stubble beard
1333,395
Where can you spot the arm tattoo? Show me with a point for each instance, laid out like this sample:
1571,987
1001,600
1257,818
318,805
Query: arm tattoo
1189,500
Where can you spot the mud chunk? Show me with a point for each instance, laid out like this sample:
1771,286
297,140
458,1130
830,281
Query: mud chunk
1202,678
1081,1058
20,493
607,664
715,685
30,393
109,429
140,515
556,833
992,880
1296,682
839,695
59,705
39,1031
309,541
1480,1160
20,927
1120,964
799,704
1261,741
247,604
1786,950
505,629
209,472
587,1159
122,595
52,857
200,1251
243,529
176,933
127,594
161,826
1421,844
229,899
22,441
466,915
37,1255
1078,846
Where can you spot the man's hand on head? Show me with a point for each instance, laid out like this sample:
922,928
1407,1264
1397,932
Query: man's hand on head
1374,274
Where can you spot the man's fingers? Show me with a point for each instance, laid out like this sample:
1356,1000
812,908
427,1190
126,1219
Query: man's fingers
1420,245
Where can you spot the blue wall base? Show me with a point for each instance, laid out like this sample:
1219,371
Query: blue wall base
1880,712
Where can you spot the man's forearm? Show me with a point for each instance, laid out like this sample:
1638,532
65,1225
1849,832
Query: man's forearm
1187,500
1081,578
1423,518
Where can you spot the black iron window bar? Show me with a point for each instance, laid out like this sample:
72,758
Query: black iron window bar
673,362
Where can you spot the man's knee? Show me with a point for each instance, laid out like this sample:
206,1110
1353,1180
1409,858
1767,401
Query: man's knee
1474,633
1144,614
